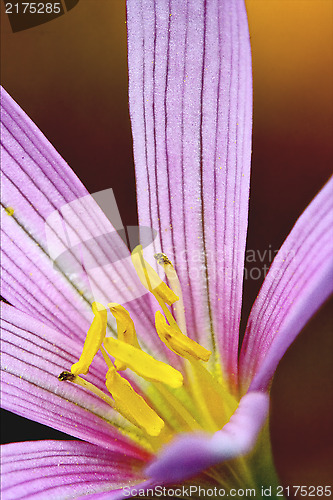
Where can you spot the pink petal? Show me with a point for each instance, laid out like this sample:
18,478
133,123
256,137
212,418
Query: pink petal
64,469
33,356
298,283
189,454
191,110
54,215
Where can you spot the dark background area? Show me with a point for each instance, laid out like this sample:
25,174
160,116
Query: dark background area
70,76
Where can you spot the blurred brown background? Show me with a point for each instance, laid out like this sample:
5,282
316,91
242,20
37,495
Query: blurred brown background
70,76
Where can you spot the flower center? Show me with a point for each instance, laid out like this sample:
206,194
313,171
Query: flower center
177,401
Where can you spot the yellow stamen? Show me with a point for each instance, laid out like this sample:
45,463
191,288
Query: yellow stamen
177,342
150,279
132,405
175,286
125,329
94,339
143,364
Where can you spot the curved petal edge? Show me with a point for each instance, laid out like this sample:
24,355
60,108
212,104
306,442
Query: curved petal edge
297,284
191,453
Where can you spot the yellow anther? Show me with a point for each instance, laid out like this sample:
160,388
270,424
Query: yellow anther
150,279
131,405
125,329
177,342
125,325
143,364
94,339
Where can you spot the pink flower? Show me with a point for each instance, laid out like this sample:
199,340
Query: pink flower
190,96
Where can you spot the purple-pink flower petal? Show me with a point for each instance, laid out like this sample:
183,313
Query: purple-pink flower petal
191,110
64,469
190,454
54,214
299,281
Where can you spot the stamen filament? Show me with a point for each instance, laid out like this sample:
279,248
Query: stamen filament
178,407
167,313
125,325
175,286
106,357
135,432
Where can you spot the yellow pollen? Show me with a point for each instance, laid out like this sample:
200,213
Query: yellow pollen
179,343
9,211
143,364
94,339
